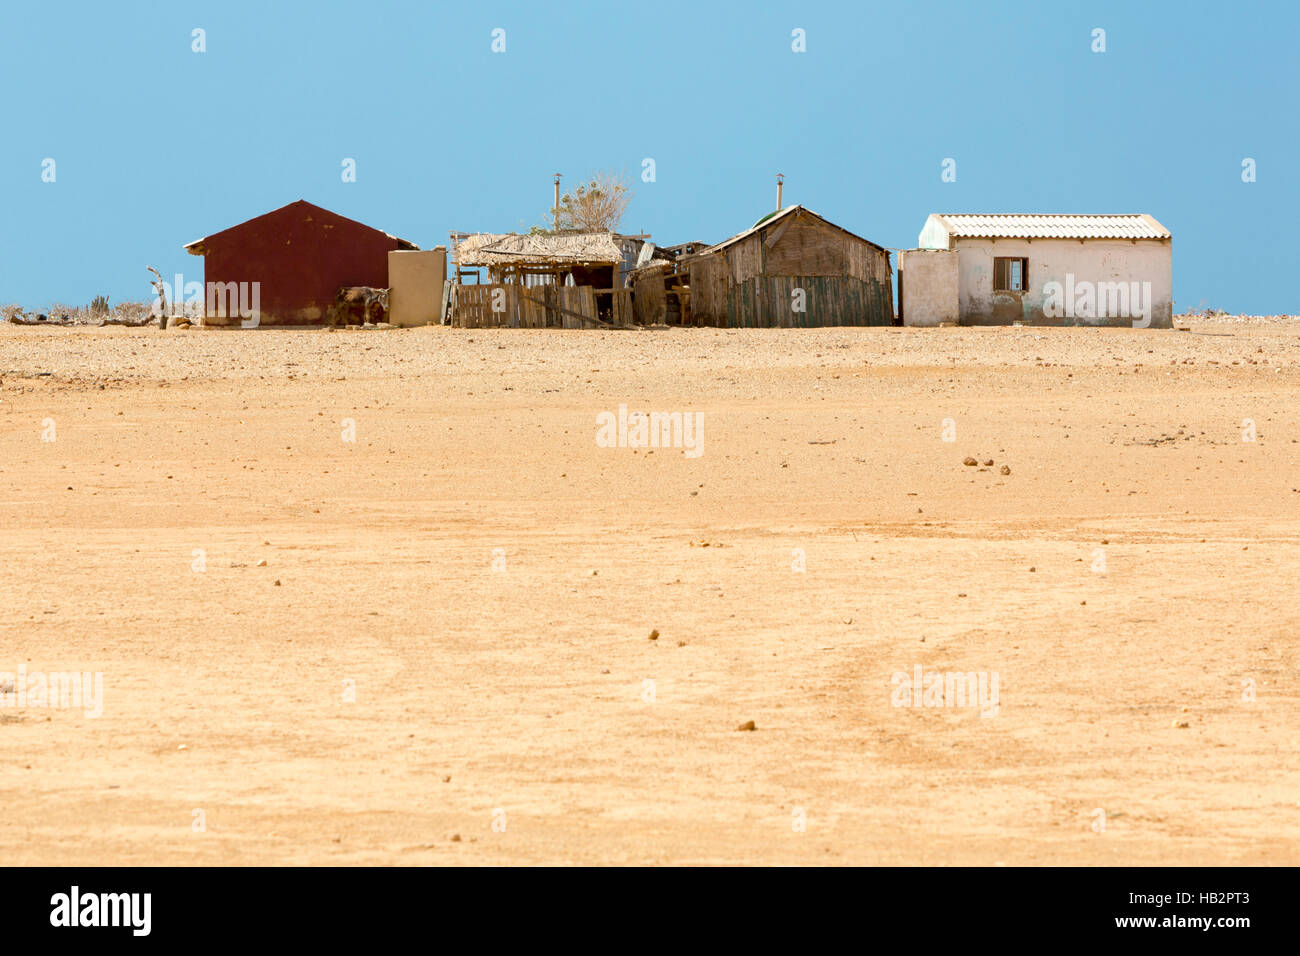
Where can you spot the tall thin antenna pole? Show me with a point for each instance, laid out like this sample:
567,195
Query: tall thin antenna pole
556,207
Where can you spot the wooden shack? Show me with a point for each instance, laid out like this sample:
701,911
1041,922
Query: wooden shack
537,281
660,295
791,269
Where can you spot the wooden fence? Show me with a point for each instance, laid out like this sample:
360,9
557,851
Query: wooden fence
769,302
617,304
538,307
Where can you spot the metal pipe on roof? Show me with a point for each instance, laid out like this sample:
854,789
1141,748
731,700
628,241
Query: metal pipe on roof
557,202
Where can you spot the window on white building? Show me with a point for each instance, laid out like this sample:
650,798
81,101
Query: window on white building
1010,275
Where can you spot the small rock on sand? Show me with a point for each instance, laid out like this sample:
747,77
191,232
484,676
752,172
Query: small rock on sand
970,462
747,725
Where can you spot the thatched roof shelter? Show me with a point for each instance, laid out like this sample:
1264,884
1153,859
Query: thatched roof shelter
539,251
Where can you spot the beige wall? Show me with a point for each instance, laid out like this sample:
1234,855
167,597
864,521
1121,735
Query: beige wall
929,280
415,285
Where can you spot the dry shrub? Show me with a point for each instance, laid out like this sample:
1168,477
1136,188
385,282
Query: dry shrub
131,311
595,205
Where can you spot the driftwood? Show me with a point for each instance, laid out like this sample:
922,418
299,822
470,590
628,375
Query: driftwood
42,319
67,320
160,288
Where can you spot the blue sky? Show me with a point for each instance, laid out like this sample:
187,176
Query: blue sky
156,145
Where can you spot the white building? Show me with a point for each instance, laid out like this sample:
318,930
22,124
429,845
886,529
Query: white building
1039,270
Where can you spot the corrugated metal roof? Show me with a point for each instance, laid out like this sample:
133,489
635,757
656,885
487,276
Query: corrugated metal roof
199,246
1002,226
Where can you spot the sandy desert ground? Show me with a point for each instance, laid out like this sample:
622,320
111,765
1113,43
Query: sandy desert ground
445,657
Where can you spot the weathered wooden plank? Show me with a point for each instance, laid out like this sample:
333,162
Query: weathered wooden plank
558,305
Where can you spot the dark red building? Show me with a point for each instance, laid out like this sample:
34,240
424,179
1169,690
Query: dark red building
300,254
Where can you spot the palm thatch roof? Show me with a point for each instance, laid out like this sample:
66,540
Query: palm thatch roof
654,265
511,249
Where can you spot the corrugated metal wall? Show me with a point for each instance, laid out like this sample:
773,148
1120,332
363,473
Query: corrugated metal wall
302,255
